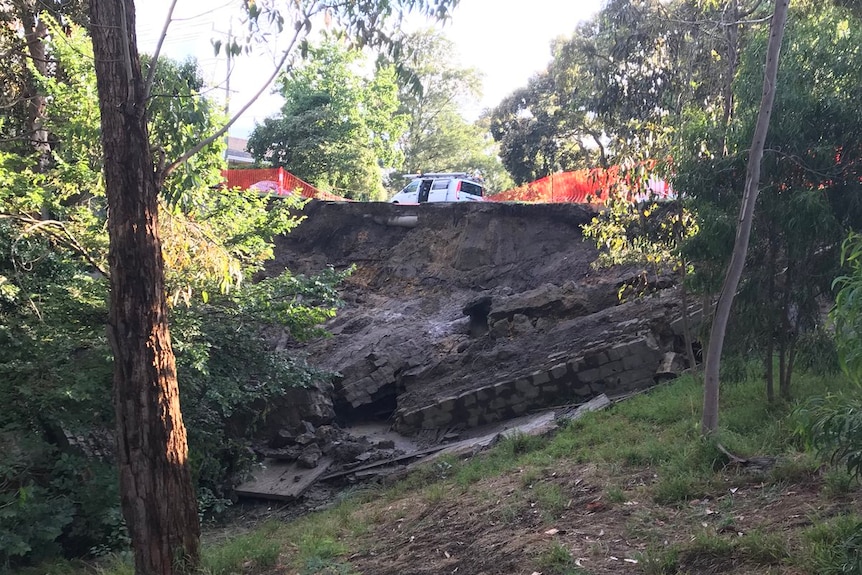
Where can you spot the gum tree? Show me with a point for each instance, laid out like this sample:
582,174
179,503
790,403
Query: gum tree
157,495
709,422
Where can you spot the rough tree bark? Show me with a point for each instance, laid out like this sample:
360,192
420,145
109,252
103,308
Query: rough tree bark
158,498
709,422
35,32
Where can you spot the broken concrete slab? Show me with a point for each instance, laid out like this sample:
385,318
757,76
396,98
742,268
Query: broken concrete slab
537,424
282,481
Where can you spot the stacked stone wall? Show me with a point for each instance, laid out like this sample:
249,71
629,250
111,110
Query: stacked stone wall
610,369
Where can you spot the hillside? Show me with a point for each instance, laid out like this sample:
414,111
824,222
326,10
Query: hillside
453,306
629,490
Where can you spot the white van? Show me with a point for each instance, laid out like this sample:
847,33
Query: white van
440,187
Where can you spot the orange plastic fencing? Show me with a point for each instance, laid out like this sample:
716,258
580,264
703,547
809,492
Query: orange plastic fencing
583,186
276,181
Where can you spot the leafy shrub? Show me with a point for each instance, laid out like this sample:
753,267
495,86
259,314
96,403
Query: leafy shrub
833,547
56,371
817,352
833,427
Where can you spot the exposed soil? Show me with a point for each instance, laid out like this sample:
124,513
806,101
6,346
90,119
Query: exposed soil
596,520
508,529
404,340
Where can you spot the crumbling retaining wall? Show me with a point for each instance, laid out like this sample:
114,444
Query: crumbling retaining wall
610,369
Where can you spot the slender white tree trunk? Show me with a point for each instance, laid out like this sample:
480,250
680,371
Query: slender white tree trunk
709,423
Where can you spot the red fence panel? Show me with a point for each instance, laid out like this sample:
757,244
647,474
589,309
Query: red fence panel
276,181
581,186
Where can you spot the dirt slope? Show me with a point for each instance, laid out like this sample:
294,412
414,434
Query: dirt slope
403,341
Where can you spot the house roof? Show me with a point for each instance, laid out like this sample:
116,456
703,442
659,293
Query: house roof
236,151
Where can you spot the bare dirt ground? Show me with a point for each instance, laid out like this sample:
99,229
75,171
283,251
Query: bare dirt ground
597,520
508,530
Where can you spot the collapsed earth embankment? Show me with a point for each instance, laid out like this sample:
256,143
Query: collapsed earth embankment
463,314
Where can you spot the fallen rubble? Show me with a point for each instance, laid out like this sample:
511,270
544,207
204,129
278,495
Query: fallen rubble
287,480
475,315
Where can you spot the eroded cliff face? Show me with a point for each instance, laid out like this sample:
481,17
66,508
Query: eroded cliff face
464,314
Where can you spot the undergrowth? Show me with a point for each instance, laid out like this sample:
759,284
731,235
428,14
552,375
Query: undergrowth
656,434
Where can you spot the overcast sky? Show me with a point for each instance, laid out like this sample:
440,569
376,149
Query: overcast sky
506,40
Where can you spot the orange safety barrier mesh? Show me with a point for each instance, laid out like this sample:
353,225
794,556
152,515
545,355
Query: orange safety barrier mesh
581,186
277,181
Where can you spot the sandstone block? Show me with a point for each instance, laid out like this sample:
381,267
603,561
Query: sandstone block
589,375
609,369
576,364
582,391
447,404
520,408
559,371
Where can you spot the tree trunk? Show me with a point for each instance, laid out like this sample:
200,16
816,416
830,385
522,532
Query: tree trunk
787,331
730,22
158,498
709,423
769,369
35,32
771,330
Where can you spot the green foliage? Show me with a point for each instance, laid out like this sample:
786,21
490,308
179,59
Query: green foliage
613,91
847,313
180,117
833,426
228,237
818,352
833,547
229,374
647,234
810,182
336,129
31,518
58,488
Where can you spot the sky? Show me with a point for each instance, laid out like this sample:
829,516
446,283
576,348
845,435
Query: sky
507,41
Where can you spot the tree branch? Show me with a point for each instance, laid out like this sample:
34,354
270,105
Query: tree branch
151,73
66,238
299,31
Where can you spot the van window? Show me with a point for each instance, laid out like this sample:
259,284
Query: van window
472,189
440,185
411,187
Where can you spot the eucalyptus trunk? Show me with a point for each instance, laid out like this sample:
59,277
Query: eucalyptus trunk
157,494
35,33
709,423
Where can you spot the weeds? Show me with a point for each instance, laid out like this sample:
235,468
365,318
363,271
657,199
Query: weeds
557,560
833,547
615,495
550,499
838,482
659,561
259,549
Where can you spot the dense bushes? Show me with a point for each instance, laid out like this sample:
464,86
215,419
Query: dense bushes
58,488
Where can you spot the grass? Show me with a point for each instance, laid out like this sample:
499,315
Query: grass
654,437
833,547
259,549
557,560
